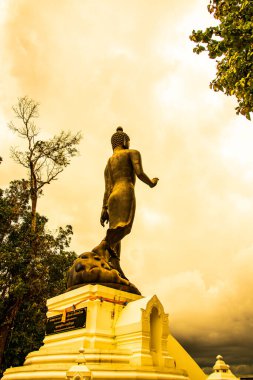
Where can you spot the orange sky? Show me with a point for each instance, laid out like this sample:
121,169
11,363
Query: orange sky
94,65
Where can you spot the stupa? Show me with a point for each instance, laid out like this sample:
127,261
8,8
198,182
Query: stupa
221,371
102,316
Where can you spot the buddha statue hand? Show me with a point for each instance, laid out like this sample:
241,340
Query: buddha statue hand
154,182
104,218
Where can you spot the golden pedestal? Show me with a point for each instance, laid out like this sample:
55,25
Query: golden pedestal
124,336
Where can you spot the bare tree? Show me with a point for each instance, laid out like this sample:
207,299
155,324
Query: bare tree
44,160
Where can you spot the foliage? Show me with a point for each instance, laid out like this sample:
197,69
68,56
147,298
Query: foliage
44,160
230,42
28,277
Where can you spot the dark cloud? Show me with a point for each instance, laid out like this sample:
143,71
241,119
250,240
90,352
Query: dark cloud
234,353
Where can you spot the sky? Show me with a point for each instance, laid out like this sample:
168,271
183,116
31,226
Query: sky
93,65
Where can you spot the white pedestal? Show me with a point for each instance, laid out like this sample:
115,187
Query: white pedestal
125,337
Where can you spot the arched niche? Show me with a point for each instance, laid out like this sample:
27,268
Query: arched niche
156,329
143,328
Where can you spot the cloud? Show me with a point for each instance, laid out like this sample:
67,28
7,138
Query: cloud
213,319
95,65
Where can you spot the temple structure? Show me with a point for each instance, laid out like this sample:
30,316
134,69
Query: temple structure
221,371
120,335
102,327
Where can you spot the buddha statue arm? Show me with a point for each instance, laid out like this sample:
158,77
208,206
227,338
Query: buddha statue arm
108,188
137,165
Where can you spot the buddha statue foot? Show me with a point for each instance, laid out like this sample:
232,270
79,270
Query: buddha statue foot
103,250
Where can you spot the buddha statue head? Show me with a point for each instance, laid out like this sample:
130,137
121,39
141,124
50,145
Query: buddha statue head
120,138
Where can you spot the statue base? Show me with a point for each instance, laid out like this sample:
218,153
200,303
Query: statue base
123,335
98,268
